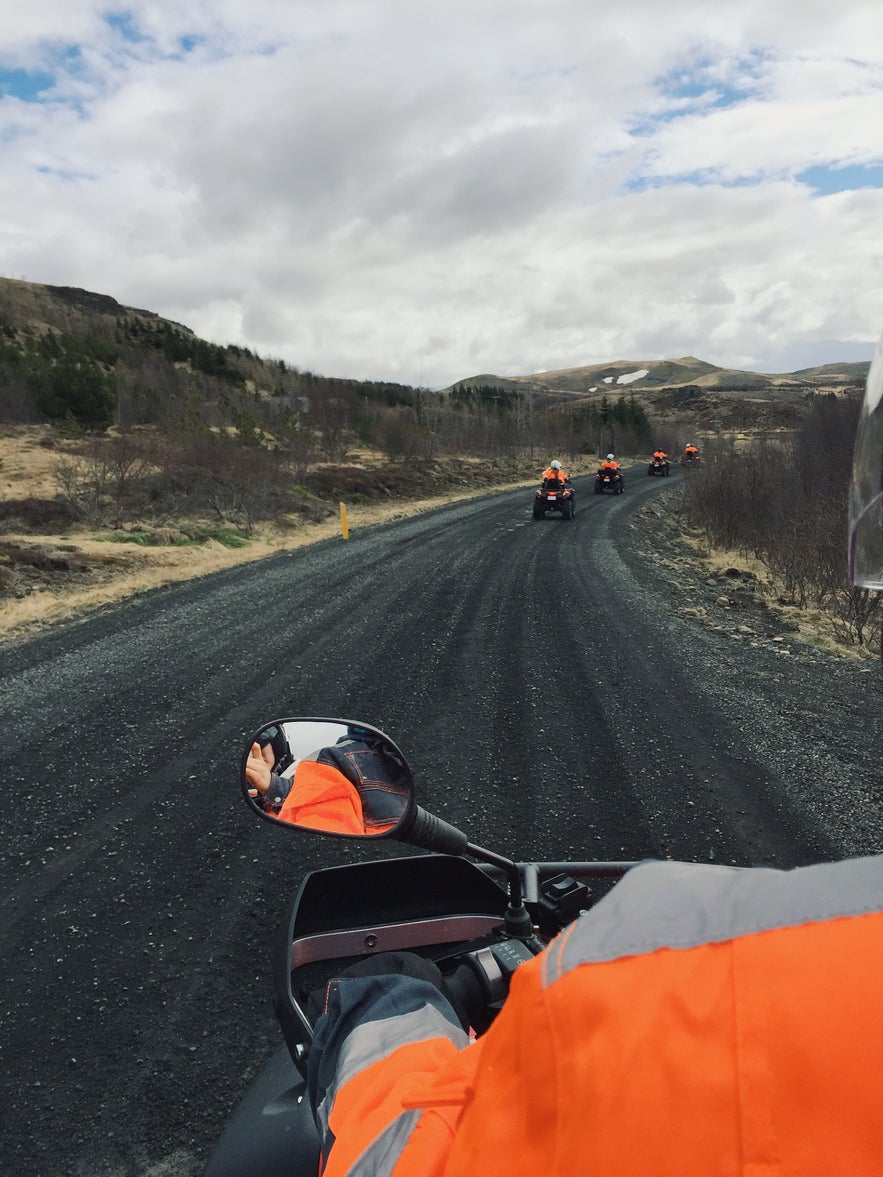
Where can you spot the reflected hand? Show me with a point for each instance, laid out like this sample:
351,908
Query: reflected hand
257,771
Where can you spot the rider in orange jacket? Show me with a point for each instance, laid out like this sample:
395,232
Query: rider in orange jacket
699,1020
351,787
554,473
317,795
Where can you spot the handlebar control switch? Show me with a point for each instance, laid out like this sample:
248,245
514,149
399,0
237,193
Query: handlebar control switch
561,901
481,984
495,967
498,964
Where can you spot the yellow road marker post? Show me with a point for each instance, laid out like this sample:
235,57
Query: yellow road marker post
344,526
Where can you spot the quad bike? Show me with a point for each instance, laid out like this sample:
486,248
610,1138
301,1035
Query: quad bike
554,495
609,482
658,466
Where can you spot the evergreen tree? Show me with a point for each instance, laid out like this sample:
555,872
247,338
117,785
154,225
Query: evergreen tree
76,386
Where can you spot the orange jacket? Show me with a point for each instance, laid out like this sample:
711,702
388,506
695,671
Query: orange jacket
323,799
605,465
690,449
660,454
550,473
698,1022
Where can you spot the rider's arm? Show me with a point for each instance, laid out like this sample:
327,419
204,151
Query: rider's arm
279,789
734,994
381,1039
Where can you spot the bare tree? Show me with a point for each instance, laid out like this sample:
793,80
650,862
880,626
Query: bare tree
330,416
106,483
785,503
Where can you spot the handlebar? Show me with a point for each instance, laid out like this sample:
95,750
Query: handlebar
479,986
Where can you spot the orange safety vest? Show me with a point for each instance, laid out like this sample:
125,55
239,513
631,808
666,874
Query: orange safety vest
609,465
700,1021
323,799
550,473
659,454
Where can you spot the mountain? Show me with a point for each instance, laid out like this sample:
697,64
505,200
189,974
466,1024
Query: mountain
850,373
684,393
640,375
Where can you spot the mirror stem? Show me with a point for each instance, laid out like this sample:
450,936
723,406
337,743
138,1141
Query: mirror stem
431,833
518,921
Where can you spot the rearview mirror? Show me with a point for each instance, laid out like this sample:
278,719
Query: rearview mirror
334,776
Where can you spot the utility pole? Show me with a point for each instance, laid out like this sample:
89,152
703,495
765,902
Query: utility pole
530,416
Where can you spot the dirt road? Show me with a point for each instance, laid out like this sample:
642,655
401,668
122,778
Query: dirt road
552,699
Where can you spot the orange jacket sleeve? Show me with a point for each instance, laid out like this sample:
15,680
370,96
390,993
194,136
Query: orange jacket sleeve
700,1022
381,1043
323,799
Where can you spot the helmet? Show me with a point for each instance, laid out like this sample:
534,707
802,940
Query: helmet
866,490
276,738
555,465
610,458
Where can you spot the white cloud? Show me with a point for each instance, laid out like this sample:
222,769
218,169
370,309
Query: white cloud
756,140
378,188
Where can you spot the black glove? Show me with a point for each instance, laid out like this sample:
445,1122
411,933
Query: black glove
396,964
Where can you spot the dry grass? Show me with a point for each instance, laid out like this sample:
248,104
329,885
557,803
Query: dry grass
719,559
27,466
120,570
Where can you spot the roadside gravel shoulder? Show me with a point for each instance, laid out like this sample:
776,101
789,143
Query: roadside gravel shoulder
816,717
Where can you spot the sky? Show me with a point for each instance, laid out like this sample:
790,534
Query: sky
423,192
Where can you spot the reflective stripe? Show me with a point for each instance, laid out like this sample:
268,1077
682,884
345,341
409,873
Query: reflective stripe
682,905
376,1040
381,1155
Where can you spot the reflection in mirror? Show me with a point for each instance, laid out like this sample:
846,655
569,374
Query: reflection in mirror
330,775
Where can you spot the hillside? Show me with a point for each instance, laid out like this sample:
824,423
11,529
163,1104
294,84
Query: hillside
641,375
133,453
257,427
685,394
62,347
66,351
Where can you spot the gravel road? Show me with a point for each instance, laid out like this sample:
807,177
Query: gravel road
554,701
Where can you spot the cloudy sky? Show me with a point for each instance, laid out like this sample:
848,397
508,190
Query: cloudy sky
421,191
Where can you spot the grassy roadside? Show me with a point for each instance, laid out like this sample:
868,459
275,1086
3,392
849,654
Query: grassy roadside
47,577
729,593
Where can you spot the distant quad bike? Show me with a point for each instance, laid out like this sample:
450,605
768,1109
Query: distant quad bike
691,460
657,466
554,495
609,482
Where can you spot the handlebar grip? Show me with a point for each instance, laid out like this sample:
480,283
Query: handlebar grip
469,997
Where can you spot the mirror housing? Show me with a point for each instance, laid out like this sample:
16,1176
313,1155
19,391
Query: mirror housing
330,776
347,779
